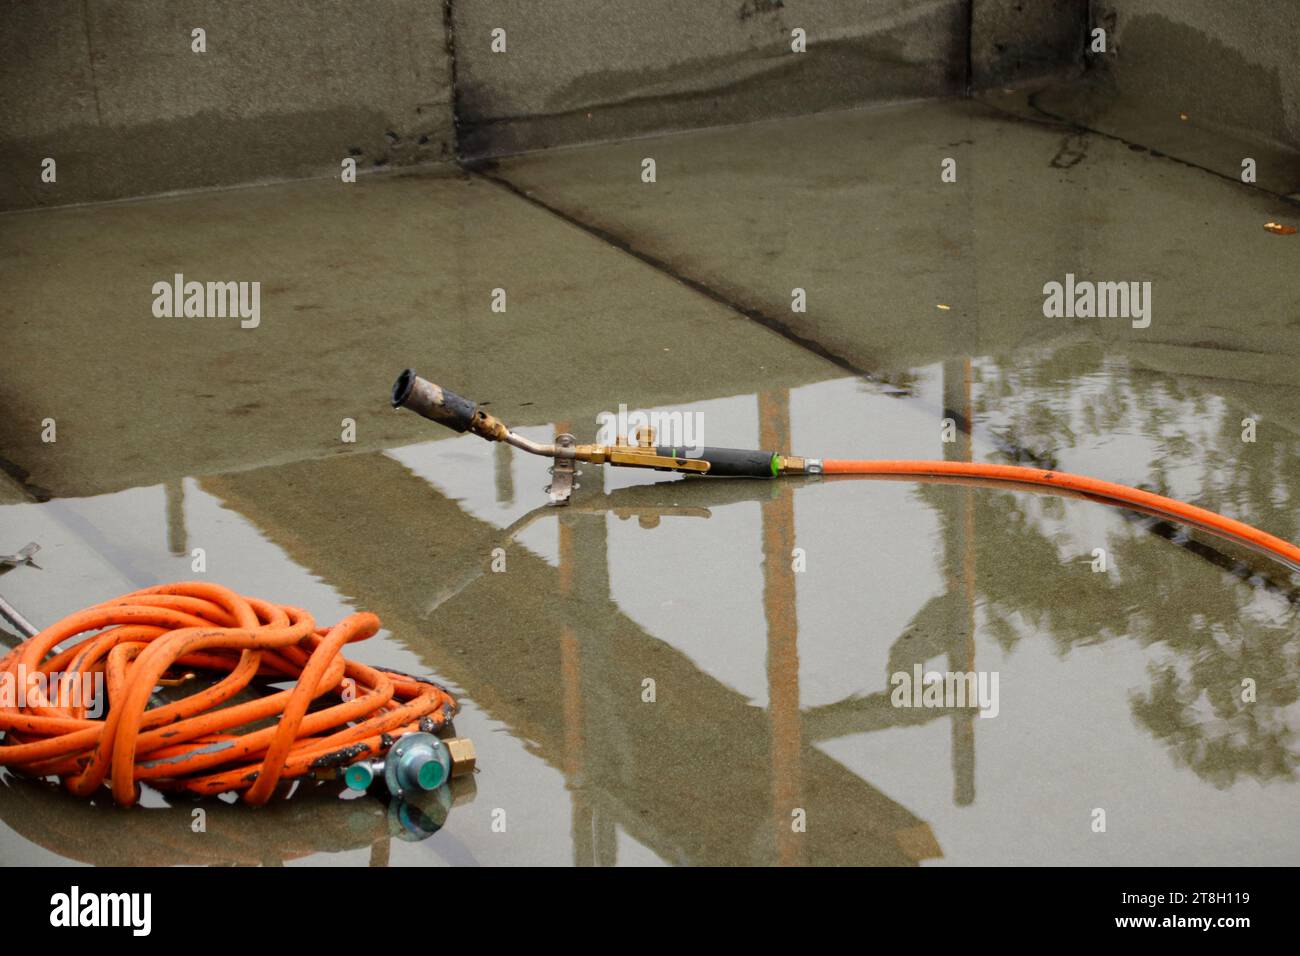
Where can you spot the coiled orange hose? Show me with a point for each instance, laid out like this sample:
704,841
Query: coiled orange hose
189,744
1107,491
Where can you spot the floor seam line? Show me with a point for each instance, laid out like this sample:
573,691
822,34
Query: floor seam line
754,314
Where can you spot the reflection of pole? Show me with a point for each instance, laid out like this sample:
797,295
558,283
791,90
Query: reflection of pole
964,731
960,539
964,726
603,747
505,479
968,556
571,689
782,635
174,491
571,692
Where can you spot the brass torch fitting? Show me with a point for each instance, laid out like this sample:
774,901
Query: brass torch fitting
463,756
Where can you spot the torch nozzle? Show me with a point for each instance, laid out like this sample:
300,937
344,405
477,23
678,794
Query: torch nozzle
445,407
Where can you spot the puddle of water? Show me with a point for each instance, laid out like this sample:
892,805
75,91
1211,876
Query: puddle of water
1119,690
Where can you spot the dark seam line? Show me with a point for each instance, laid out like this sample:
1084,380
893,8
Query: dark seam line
90,59
1246,572
968,82
449,41
756,315
1076,127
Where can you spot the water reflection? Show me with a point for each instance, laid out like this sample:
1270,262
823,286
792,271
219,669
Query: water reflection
771,685
311,819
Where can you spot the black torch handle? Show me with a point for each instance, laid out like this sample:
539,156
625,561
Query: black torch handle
727,462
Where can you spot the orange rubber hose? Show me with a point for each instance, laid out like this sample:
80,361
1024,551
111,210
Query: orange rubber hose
203,743
1108,491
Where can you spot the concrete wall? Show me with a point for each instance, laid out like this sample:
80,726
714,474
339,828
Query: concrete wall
112,91
1231,65
287,88
1014,40
578,70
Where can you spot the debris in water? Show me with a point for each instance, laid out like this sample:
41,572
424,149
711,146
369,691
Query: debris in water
944,307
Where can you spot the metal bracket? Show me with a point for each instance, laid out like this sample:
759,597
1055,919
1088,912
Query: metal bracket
563,472
7,611
10,561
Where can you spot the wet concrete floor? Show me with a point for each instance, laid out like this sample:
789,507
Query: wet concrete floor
1119,690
